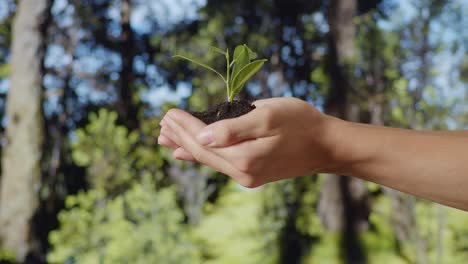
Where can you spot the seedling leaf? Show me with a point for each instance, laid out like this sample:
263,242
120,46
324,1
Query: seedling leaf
244,75
218,50
237,51
252,55
238,71
200,64
242,59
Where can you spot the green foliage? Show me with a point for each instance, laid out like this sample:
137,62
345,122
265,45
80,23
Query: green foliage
238,71
4,70
6,256
287,207
140,226
320,77
113,221
105,148
233,230
112,155
125,217
464,69
380,240
457,237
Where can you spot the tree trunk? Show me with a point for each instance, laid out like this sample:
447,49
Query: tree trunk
343,205
24,133
125,106
294,245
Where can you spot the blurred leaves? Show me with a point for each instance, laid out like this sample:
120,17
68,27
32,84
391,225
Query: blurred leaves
131,212
141,225
464,69
5,70
106,149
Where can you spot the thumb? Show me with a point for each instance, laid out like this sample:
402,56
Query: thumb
228,132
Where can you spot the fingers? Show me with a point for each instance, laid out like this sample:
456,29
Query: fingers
185,126
182,154
167,142
264,102
228,132
185,120
236,153
169,138
167,132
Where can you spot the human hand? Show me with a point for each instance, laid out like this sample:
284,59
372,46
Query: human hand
282,138
285,137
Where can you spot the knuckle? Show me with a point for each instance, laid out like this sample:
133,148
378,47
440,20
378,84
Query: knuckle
244,165
165,131
225,133
269,118
197,155
171,112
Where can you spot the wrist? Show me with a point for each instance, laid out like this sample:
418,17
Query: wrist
348,144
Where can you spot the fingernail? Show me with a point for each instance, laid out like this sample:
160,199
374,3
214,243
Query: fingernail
163,122
205,137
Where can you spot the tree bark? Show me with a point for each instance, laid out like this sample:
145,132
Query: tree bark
24,133
125,106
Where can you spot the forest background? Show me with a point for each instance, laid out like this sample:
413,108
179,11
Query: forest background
83,85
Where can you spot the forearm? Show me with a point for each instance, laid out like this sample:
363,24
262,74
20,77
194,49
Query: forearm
454,133
431,165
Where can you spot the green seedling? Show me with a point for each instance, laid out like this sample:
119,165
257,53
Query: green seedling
238,70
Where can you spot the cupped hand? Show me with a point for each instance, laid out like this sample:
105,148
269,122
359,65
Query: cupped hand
282,138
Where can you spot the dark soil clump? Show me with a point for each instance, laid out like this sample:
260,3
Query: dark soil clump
224,110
